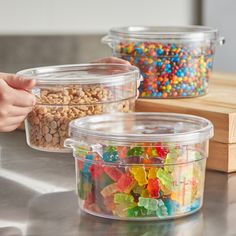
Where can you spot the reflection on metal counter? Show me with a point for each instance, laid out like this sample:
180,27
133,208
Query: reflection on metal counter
37,198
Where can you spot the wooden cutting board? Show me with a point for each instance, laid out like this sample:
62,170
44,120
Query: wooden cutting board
222,157
219,106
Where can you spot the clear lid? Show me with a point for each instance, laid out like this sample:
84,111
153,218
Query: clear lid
143,127
94,73
147,33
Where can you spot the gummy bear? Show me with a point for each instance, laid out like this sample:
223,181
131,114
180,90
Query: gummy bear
84,188
151,152
152,173
139,174
113,172
84,177
164,190
135,151
81,151
161,152
153,188
87,164
109,204
122,152
170,159
144,193
89,200
150,204
124,199
165,178
161,210
119,210
110,154
172,206
109,190
196,205
137,212
96,171
125,183
138,189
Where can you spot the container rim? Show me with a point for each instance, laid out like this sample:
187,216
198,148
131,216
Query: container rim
121,164
189,32
66,74
80,127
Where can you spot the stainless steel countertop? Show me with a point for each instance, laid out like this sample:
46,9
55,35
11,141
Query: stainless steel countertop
37,198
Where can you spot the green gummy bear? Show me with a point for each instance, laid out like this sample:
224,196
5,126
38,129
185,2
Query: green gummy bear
135,151
165,178
150,204
124,199
110,149
84,189
137,212
81,151
170,160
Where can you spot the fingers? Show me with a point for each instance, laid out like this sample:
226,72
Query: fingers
17,82
114,60
21,98
16,97
10,123
19,111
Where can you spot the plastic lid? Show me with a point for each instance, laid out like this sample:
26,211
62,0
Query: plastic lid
144,127
94,73
166,32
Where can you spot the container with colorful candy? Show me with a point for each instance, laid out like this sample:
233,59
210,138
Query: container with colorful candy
140,166
175,62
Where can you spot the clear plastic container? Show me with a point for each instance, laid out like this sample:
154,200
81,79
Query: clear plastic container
175,62
140,166
68,92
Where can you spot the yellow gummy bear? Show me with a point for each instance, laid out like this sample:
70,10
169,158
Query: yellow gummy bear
140,175
152,174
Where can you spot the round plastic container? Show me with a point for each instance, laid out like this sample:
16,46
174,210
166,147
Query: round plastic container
140,166
175,62
68,92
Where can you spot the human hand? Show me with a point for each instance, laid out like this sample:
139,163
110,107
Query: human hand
15,100
114,60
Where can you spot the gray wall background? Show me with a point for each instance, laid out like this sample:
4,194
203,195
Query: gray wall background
49,32
22,52
222,15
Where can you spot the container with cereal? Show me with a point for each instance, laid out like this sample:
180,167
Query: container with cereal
68,92
140,166
175,62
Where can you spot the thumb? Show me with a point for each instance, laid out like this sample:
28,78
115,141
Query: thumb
17,82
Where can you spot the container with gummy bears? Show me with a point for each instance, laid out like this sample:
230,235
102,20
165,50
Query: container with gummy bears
175,62
140,166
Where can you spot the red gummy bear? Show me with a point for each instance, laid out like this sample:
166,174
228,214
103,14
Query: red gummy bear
161,152
153,188
113,173
96,171
125,183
